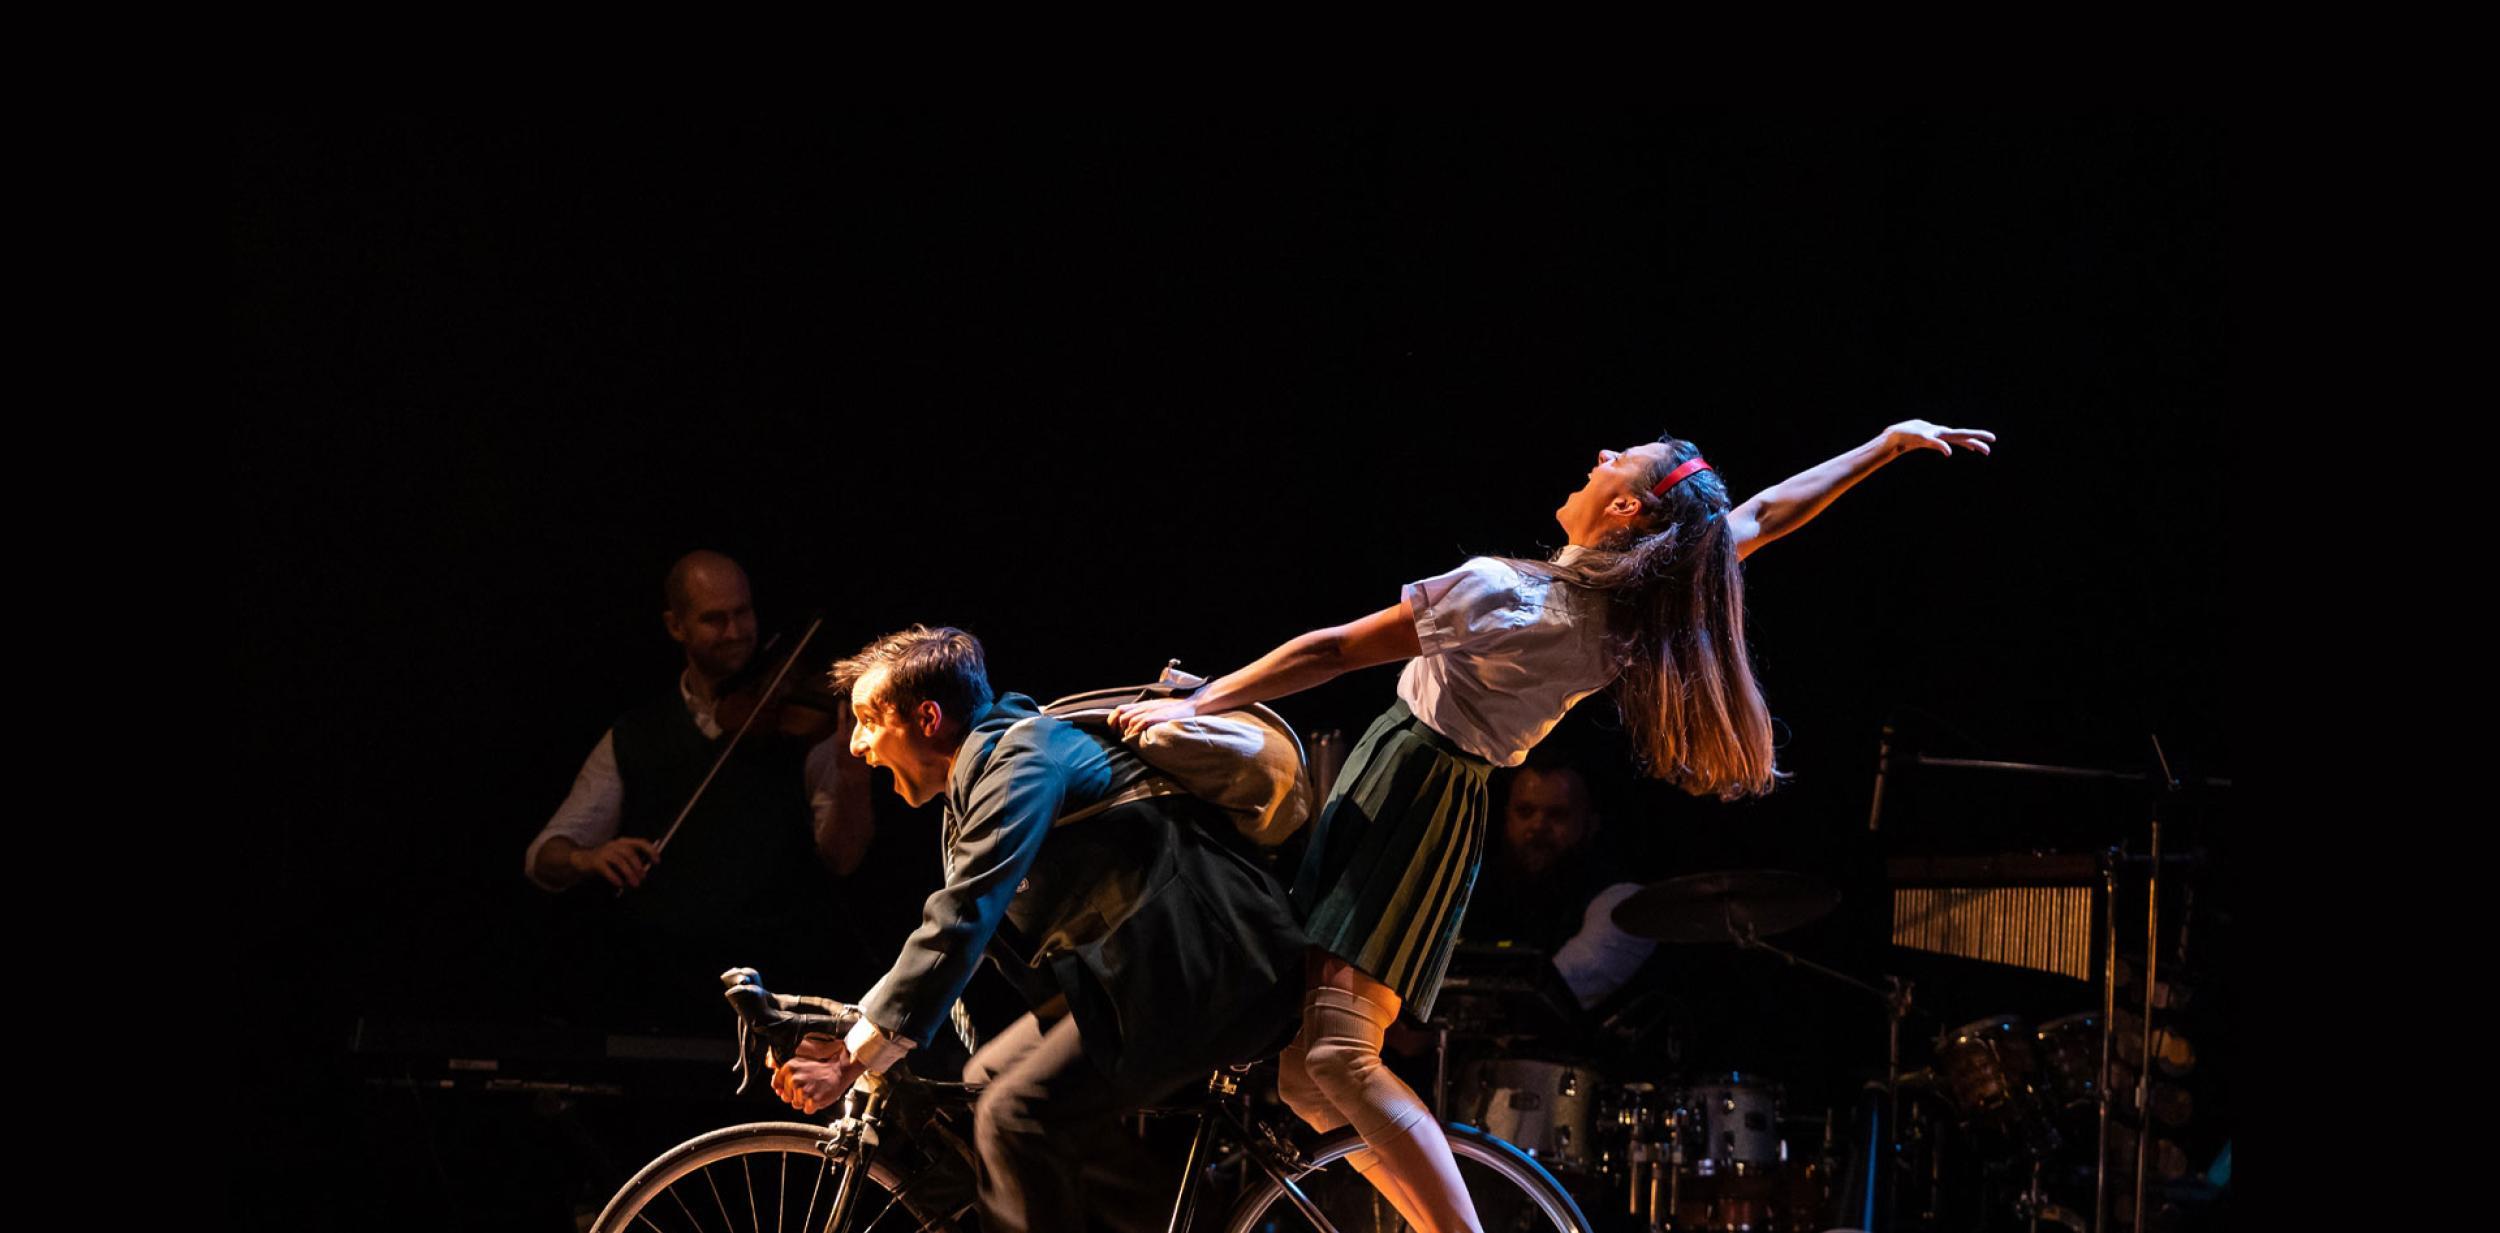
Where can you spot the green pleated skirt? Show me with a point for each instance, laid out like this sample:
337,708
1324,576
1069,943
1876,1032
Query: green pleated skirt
1394,855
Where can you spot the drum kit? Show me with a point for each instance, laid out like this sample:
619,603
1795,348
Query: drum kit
1724,1152
1648,1147
1704,1155
1711,1151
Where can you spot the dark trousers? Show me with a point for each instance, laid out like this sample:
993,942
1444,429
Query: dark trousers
1053,1153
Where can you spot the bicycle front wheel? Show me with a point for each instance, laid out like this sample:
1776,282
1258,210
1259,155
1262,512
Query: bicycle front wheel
1512,1193
767,1177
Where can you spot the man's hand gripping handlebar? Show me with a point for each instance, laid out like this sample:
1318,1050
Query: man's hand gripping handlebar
773,1026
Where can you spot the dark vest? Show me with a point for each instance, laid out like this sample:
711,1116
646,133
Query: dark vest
740,884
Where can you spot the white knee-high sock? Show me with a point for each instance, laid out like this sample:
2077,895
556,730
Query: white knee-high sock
1343,1031
1300,1094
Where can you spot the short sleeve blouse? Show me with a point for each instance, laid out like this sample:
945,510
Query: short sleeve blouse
1508,649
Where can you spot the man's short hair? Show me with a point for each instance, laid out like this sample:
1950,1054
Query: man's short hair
944,665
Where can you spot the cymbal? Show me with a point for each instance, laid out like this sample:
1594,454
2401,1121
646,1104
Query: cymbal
1721,907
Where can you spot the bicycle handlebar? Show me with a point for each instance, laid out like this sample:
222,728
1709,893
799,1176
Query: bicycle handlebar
777,1022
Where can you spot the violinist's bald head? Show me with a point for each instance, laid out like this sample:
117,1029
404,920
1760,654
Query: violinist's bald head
698,571
711,613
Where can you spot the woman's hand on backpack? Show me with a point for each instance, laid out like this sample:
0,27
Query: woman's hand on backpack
1136,717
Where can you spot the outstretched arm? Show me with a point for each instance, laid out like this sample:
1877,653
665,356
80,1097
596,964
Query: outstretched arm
1793,502
1315,658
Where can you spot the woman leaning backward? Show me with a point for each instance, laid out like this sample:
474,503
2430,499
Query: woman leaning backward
1647,597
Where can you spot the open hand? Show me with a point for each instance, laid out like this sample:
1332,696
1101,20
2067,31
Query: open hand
1921,435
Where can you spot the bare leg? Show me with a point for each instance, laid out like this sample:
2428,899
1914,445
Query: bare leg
1343,1022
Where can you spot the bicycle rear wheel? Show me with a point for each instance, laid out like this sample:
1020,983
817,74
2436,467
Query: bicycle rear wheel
1512,1193
765,1177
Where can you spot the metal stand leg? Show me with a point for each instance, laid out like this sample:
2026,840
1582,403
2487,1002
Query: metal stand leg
2109,1028
2144,1072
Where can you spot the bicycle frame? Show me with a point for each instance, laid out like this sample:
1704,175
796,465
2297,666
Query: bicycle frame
851,1139
882,1123
853,1142
1223,1092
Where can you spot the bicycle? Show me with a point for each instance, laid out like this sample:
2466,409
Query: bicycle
885,1163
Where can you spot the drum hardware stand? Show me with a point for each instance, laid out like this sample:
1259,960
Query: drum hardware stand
1667,1164
1675,1174
2035,1206
2109,1019
1896,997
2163,781
2152,985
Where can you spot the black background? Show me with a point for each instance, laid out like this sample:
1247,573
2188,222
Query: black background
1109,390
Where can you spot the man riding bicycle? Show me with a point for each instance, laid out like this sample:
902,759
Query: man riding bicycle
1153,951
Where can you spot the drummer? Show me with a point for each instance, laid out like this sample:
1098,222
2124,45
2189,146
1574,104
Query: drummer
1545,885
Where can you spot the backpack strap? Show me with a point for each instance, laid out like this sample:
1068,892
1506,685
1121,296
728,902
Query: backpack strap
1143,789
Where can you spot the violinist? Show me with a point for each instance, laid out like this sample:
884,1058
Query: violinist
749,860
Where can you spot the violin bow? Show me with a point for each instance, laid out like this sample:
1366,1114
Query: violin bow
722,759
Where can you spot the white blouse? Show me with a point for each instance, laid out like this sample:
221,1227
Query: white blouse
1507,650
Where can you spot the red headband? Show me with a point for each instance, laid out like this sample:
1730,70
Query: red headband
1680,474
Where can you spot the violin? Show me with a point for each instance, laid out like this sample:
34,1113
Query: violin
776,702
798,706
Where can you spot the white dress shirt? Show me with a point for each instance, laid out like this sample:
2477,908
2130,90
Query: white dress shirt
595,809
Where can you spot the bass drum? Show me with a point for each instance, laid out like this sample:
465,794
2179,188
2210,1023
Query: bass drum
1784,1197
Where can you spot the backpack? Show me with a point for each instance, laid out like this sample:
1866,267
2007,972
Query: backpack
1247,762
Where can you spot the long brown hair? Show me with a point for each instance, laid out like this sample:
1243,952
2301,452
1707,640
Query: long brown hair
1676,596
